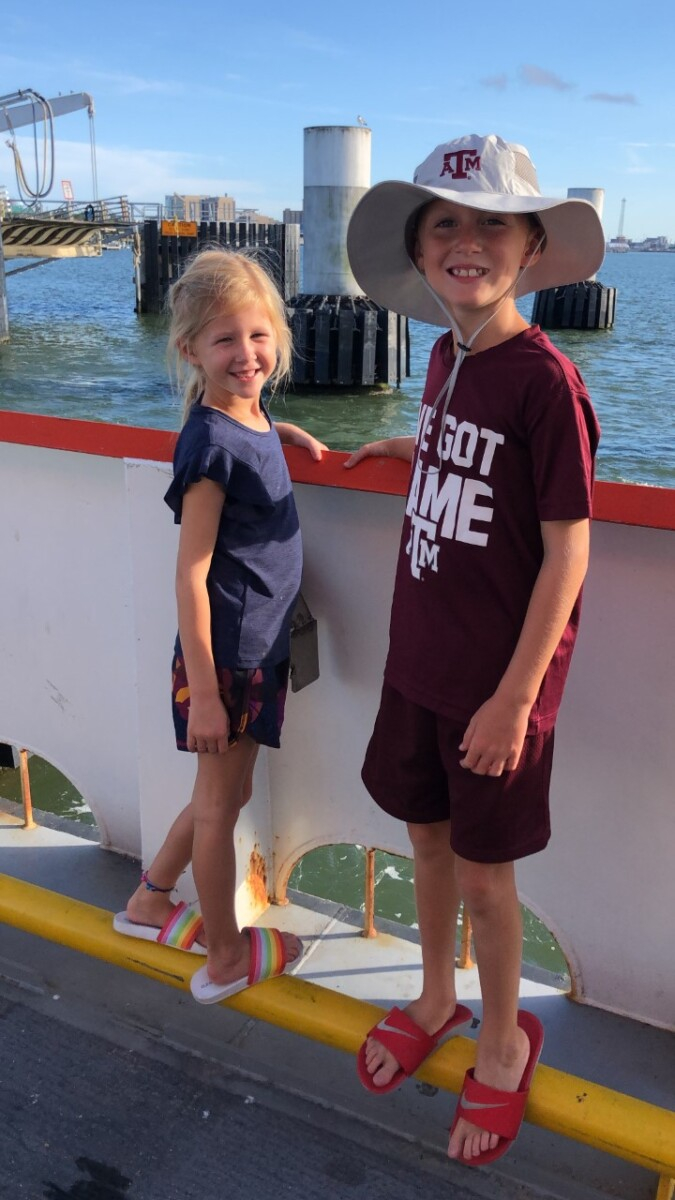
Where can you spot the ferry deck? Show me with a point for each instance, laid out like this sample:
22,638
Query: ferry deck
117,1085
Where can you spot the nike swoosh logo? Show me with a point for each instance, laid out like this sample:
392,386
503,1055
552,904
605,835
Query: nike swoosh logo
383,1024
476,1104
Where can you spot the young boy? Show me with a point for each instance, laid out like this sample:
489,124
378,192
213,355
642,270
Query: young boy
486,601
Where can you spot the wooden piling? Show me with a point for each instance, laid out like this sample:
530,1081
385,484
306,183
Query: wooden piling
366,324
151,301
339,341
586,305
347,342
167,246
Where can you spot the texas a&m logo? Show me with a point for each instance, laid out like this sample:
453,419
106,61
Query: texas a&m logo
454,502
458,163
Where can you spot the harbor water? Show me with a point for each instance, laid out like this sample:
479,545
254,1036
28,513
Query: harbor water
78,350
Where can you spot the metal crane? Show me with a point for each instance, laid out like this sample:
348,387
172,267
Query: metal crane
28,108
13,113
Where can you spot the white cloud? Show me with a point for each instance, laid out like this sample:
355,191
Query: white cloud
613,97
499,82
131,85
539,77
401,118
316,45
142,175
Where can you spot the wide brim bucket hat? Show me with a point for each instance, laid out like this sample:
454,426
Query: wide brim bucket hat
479,172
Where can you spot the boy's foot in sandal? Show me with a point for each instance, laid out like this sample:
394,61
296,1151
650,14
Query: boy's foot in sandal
488,1116
398,1045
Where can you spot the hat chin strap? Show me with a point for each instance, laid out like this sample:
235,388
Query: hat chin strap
463,348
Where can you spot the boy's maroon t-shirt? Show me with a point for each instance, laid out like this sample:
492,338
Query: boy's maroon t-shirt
516,449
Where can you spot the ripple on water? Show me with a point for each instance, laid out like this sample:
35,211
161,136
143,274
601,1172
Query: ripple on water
78,349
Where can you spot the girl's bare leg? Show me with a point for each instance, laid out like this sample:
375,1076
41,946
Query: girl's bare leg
437,901
222,788
502,1050
153,908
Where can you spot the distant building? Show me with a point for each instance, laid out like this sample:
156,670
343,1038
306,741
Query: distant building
653,243
4,200
199,208
252,217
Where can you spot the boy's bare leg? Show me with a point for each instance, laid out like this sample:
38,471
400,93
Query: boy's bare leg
437,901
502,1050
221,789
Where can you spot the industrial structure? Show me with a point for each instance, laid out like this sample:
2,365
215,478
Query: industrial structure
583,305
341,338
67,230
166,245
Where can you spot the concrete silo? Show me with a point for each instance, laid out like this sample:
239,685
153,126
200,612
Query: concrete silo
341,338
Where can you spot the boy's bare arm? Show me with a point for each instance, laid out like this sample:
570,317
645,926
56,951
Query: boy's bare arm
397,447
494,737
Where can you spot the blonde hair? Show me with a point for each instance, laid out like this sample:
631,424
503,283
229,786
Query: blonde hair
221,282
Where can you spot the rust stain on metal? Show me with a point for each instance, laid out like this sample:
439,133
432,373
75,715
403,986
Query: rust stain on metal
257,877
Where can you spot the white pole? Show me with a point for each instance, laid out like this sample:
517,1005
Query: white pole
337,174
596,196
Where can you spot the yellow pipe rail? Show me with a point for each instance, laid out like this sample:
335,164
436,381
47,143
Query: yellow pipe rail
583,1111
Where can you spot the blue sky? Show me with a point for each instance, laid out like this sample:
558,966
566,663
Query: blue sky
214,98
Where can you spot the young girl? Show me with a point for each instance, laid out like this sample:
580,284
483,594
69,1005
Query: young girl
237,578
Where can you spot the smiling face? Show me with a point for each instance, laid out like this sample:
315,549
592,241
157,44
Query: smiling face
471,258
235,354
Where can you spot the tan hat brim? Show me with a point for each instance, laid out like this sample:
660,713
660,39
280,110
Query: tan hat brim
575,243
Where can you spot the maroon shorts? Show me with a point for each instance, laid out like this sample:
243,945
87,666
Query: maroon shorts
254,699
412,771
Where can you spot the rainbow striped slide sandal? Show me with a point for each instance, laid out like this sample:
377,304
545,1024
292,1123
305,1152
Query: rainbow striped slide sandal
268,959
180,930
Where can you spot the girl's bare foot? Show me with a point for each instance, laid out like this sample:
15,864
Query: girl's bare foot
152,908
229,965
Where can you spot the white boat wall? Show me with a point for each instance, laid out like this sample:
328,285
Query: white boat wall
87,621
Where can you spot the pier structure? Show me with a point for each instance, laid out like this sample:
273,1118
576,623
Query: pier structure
49,232
33,227
584,305
166,246
341,338
64,230
16,110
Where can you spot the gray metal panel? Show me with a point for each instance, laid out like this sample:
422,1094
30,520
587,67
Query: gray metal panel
345,348
367,332
302,350
322,324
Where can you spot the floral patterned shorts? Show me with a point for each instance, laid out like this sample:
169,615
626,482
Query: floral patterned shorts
254,699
